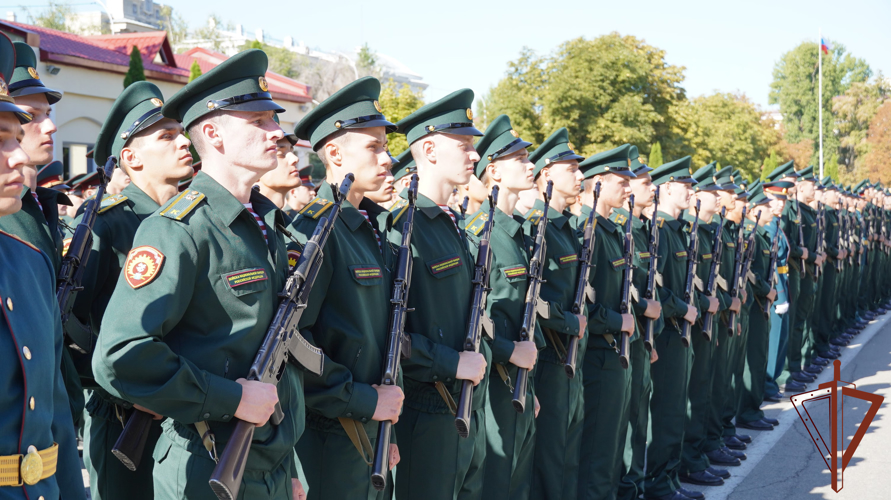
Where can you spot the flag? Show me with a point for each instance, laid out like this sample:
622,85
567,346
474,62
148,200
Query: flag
825,46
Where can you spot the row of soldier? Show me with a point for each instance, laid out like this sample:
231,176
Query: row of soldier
604,314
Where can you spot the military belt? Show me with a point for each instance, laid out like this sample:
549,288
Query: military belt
356,432
31,468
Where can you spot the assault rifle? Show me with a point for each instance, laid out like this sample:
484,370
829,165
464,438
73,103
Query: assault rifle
738,261
584,292
653,277
714,269
771,270
627,274
689,295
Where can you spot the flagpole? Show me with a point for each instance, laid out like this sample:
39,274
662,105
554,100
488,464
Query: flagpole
820,98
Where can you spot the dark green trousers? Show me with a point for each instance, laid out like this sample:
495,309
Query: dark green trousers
631,472
436,463
333,467
109,479
797,330
668,411
721,392
824,328
809,349
558,429
755,374
699,395
736,360
510,442
607,392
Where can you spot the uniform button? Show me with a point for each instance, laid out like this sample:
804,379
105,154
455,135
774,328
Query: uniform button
9,303
206,416
349,414
26,352
364,419
435,377
225,417
31,404
448,379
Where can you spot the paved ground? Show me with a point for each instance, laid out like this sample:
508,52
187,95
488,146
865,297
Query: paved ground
784,464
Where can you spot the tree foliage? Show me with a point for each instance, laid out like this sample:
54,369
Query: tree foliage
877,160
854,111
367,62
176,27
771,163
281,60
399,101
194,70
212,33
55,16
655,158
136,72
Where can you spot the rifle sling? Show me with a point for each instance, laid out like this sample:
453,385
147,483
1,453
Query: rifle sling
356,432
207,439
505,377
556,342
449,401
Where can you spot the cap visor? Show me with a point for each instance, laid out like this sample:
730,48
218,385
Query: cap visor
148,122
643,170
461,131
375,123
729,186
255,105
624,173
744,194
292,139
516,147
22,115
52,96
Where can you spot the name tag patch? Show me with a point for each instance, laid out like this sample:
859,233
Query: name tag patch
706,256
566,259
364,273
515,272
680,254
240,278
445,265
618,262
643,255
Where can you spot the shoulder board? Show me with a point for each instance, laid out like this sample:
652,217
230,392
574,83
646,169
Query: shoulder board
399,208
618,218
316,208
534,216
4,233
182,204
660,221
111,200
477,223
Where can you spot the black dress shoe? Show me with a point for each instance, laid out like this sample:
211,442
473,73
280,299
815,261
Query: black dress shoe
734,444
757,425
745,438
695,495
821,361
677,495
773,398
813,369
772,421
852,331
734,453
847,336
839,341
718,457
701,478
830,355
722,473
803,377
795,387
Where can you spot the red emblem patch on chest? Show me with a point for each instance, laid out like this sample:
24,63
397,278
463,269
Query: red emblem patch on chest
293,257
143,266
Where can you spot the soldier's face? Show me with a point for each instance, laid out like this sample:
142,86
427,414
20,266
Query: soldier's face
566,176
806,188
365,155
766,214
162,151
12,161
250,140
776,206
643,190
679,195
614,190
708,202
38,141
285,176
455,157
513,172
301,196
385,193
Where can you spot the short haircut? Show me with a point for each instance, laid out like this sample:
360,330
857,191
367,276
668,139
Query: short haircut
194,131
340,138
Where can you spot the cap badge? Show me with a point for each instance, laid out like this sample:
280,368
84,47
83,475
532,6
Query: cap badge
377,106
263,85
514,133
469,114
4,90
570,146
629,162
157,102
33,73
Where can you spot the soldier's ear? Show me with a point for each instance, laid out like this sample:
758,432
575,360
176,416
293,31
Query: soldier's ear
130,159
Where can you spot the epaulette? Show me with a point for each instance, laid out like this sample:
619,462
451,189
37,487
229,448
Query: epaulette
660,221
534,216
111,200
398,209
618,218
477,223
4,233
184,203
316,208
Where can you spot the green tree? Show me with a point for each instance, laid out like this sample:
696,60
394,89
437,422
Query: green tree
879,140
517,95
281,60
655,158
795,87
194,70
212,33
730,129
399,101
136,73
854,110
770,164
367,62
54,17
176,27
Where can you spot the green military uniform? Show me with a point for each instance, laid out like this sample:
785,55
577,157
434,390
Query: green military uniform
440,295
560,422
607,384
203,282
118,218
801,334
702,372
826,311
637,410
671,373
347,315
510,436
38,220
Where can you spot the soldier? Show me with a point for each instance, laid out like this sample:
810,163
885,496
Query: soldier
277,183
504,162
475,193
386,194
83,187
560,423
154,154
762,210
440,135
348,308
300,196
198,292
695,462
50,176
38,448
671,372
606,383
825,312
635,446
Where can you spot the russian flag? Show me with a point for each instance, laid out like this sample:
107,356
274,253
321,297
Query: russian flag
825,46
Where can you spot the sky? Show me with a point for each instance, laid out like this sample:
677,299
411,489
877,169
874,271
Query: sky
725,46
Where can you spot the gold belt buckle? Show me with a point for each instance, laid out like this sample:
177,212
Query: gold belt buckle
32,466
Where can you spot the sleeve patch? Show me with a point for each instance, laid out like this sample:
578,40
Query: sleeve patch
293,257
316,208
240,278
182,204
110,201
363,273
478,223
143,266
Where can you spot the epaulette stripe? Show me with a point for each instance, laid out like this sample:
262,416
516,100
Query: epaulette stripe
20,240
401,211
190,207
173,203
112,200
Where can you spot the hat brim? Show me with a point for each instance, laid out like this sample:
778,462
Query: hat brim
729,186
462,131
292,139
643,169
513,149
743,195
22,115
52,96
147,123
623,173
391,127
255,105
711,188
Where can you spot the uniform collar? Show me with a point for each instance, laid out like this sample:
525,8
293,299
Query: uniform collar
555,217
503,222
635,221
427,206
672,222
348,213
143,204
226,206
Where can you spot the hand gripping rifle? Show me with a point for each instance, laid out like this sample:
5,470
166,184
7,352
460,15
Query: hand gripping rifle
714,269
583,289
738,261
479,322
398,345
627,286
534,306
283,344
747,273
71,273
692,255
653,277
771,270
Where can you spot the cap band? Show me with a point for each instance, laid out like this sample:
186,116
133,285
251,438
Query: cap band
239,99
446,126
141,123
501,151
341,124
557,156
